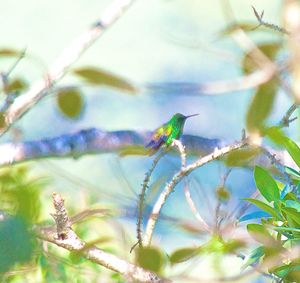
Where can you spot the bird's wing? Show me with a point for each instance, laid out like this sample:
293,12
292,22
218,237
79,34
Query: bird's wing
159,136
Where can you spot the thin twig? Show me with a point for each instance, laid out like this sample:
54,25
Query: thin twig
145,186
68,57
177,178
266,24
286,120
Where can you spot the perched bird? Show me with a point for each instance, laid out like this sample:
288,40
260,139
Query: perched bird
169,131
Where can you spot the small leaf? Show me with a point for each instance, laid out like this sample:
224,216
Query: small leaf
8,52
287,229
16,85
247,27
254,215
277,136
261,106
222,194
183,254
3,123
241,157
134,150
261,234
150,258
293,204
266,184
263,206
100,77
292,172
254,257
70,102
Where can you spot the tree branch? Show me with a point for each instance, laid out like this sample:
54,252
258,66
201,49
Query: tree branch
59,68
177,178
93,141
71,242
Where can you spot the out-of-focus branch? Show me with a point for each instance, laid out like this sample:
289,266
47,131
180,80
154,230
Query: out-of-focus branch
59,68
250,81
177,178
291,19
70,241
94,141
194,209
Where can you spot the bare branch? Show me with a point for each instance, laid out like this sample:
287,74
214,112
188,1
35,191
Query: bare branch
59,68
182,152
145,186
70,241
250,81
177,178
92,141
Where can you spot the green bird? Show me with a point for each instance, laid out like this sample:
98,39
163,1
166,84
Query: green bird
169,131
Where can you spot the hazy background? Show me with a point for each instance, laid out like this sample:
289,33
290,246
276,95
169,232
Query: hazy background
155,41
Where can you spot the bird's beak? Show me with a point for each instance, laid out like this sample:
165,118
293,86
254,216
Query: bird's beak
191,116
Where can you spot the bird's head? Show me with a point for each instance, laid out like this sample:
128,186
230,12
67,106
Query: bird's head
181,118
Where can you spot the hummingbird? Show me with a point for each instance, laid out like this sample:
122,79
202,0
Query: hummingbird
169,131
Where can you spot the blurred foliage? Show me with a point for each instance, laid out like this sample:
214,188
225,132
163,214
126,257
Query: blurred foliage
151,258
96,76
16,243
276,221
70,102
19,199
261,106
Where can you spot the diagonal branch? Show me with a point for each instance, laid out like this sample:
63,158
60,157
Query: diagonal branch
59,68
71,242
177,178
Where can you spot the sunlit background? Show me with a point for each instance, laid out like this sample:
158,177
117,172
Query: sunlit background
155,42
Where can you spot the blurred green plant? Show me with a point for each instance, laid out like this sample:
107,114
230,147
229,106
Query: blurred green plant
20,201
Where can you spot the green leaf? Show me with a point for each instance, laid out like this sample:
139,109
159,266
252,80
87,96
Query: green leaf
150,258
241,157
288,229
261,106
261,234
292,172
263,206
16,85
254,257
9,52
247,27
266,184
70,102
97,76
254,215
184,254
293,204
292,216
277,136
